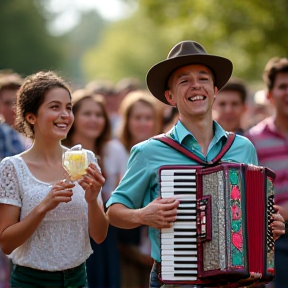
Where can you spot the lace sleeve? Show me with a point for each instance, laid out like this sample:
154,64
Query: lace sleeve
9,186
92,159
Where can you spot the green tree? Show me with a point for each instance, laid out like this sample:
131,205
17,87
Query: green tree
85,35
247,32
25,45
127,48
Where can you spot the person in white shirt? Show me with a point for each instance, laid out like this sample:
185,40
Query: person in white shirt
45,222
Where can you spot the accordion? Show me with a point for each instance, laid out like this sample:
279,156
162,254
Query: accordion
222,233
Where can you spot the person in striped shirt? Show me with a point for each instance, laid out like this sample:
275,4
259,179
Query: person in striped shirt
270,138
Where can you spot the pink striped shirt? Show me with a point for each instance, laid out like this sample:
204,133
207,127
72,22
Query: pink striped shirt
272,151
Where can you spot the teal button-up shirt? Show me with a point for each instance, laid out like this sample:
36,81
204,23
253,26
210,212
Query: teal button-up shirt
139,186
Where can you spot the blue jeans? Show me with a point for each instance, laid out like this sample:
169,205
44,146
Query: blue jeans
154,280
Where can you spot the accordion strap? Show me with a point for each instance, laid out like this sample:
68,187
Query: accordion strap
177,146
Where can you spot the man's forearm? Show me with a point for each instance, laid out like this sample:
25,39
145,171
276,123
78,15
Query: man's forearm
123,217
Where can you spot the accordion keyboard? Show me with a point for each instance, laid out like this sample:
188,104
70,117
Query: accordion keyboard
179,243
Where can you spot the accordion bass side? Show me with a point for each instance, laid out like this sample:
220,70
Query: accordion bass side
222,233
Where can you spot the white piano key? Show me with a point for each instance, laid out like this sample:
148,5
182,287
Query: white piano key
178,246
173,171
172,229
168,277
182,204
191,253
169,266
185,217
179,240
173,184
172,178
185,264
191,211
176,233
184,224
178,258
186,196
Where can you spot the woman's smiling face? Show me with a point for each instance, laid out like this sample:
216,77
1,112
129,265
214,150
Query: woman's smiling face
89,119
54,117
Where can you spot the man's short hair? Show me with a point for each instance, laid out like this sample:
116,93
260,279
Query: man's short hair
273,67
238,86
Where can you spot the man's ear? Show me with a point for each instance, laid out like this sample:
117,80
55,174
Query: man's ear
169,97
215,91
269,96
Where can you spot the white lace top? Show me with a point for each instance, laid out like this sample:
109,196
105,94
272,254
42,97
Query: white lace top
61,241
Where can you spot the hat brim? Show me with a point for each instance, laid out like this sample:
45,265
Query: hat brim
158,74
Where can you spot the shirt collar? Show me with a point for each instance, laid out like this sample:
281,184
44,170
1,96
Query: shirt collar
179,132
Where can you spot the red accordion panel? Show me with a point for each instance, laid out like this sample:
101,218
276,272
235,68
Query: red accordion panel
222,233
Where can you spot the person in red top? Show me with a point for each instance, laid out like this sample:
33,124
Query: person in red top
270,138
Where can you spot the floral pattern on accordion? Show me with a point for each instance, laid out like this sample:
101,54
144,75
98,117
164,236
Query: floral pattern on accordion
237,254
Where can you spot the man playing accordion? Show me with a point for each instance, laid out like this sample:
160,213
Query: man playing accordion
188,79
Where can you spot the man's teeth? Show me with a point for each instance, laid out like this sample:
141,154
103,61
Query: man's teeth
198,97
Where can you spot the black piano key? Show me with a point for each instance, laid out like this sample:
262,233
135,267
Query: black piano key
184,180
184,186
183,236
185,268
184,275
185,249
181,255
185,230
185,262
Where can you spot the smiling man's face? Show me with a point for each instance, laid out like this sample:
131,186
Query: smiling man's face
192,90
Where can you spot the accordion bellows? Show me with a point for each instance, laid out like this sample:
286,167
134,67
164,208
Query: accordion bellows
222,233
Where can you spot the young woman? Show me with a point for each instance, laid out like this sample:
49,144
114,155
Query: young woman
45,222
140,120
92,129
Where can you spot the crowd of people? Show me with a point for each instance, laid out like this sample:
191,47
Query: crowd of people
53,229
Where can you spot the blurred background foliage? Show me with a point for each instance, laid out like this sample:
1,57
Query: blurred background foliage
247,32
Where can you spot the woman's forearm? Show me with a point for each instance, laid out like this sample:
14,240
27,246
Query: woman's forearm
98,222
18,232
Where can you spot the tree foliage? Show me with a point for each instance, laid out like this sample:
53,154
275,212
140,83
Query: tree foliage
128,48
84,36
26,47
247,32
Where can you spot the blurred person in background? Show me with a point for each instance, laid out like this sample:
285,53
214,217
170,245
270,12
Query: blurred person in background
11,142
106,88
270,138
170,118
230,106
125,86
140,121
259,109
92,129
9,85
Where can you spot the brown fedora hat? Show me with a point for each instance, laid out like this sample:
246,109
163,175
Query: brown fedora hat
183,54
